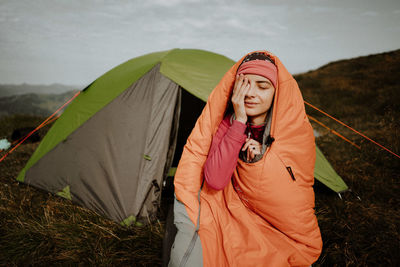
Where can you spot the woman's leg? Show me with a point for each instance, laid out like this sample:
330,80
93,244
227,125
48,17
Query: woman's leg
184,238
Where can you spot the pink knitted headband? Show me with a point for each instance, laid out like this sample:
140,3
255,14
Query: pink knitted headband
260,67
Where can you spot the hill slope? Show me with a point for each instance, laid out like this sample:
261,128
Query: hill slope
33,104
364,93
365,88
24,88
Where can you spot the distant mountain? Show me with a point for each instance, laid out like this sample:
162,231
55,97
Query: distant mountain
33,104
18,89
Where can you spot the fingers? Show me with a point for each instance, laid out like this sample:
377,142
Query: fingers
239,95
253,148
245,88
240,85
251,142
253,151
246,145
238,82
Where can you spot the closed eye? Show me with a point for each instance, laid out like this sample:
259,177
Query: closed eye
264,84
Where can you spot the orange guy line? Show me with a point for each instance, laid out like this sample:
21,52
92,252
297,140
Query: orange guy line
363,135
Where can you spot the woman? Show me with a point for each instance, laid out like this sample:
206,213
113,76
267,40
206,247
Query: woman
254,147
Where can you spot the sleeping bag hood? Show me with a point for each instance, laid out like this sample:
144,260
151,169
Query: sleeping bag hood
265,216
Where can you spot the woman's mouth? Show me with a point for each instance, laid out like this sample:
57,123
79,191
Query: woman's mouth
250,104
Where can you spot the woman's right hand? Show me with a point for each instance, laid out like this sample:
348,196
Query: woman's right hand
253,148
240,89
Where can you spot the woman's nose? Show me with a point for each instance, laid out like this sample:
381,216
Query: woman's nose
252,90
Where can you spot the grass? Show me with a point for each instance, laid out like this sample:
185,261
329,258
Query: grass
362,229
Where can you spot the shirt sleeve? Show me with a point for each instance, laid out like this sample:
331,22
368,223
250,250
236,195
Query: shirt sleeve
224,152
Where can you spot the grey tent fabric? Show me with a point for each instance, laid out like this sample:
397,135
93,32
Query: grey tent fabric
114,162
157,145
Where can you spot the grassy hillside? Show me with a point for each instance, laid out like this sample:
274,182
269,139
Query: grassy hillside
364,93
18,89
362,229
33,104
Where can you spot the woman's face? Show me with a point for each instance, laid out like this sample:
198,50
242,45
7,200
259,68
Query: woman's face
258,98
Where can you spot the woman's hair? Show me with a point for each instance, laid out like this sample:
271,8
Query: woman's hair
252,56
259,56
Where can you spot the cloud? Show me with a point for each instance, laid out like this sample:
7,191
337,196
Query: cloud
80,40
172,3
370,14
280,26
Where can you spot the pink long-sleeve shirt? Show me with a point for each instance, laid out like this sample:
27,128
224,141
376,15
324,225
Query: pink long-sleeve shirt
224,153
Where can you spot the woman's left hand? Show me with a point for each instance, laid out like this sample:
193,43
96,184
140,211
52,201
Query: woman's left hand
253,148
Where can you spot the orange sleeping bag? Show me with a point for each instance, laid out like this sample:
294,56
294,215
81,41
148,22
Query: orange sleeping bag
265,217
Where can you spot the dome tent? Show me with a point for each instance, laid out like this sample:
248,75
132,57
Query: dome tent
115,143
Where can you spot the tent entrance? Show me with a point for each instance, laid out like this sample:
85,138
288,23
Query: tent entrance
188,109
191,108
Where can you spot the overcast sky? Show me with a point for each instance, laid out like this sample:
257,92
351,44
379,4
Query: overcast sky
74,42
